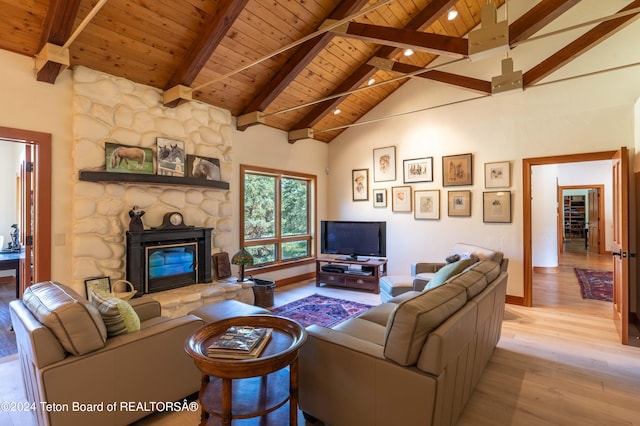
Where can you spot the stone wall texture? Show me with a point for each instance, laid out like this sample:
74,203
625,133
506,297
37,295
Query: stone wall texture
111,109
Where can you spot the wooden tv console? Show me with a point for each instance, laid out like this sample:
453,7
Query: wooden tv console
350,278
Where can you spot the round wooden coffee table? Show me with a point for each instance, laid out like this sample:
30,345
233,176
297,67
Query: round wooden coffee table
247,388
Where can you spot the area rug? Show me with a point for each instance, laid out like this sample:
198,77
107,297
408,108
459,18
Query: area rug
595,284
321,310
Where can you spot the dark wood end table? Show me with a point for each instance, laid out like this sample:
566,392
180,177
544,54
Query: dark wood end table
250,388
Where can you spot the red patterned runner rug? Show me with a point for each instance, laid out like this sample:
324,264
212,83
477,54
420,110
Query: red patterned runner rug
595,284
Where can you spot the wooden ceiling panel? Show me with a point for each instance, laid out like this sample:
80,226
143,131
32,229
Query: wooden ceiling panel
21,25
225,49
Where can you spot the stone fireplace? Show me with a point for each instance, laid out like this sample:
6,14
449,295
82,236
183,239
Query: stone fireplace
164,259
112,109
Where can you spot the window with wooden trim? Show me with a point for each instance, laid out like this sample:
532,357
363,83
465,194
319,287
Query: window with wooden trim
276,215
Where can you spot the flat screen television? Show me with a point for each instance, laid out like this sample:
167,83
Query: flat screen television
353,239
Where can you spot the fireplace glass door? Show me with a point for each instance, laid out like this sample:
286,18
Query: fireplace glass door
170,266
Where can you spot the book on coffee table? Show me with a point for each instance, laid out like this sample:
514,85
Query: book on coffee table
240,343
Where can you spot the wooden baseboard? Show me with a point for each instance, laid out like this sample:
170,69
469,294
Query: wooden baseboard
546,269
515,300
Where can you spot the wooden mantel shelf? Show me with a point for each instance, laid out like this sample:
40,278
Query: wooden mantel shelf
90,176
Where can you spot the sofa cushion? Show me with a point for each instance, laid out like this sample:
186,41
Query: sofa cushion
472,281
446,272
413,320
118,315
72,319
490,269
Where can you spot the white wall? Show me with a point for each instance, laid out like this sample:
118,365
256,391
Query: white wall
9,167
31,105
544,235
587,114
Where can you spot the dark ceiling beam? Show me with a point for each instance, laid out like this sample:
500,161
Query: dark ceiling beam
425,18
302,57
403,38
469,83
537,18
201,50
583,43
56,29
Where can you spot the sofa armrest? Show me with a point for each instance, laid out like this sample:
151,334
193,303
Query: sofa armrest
332,337
146,365
423,267
344,380
419,284
36,343
146,307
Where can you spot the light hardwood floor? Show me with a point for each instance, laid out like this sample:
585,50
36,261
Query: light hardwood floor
557,363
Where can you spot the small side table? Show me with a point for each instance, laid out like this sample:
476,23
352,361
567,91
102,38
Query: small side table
241,389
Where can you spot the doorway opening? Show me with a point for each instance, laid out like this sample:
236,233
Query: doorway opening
620,224
34,187
581,219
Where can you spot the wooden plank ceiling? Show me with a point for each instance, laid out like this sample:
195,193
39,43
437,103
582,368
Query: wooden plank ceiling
224,49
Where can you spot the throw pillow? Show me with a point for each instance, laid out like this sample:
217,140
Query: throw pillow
447,272
118,315
452,258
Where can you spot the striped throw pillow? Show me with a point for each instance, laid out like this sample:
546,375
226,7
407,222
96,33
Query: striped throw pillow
118,315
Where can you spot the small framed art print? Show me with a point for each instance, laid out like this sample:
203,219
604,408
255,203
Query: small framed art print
102,284
401,198
128,159
496,207
384,164
360,184
203,167
170,157
457,170
380,197
497,175
426,204
418,170
459,203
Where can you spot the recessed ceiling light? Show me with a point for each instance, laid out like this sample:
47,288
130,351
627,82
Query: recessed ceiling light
452,14
336,111
371,81
408,52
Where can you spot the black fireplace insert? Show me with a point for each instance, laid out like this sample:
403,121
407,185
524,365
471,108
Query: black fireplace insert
163,259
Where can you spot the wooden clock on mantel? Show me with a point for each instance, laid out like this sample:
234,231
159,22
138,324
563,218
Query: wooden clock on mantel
172,220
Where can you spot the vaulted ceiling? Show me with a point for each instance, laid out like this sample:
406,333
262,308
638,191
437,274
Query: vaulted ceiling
286,63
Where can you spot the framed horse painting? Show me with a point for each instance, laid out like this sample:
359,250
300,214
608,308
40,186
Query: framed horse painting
171,158
203,167
128,159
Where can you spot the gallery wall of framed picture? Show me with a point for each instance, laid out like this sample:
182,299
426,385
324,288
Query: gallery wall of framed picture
419,195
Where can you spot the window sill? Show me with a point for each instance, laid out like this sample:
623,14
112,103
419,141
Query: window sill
279,266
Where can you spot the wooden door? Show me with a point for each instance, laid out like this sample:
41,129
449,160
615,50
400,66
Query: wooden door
593,202
620,247
26,218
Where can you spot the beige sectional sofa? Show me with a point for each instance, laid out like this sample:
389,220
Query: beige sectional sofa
423,272
70,361
414,360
